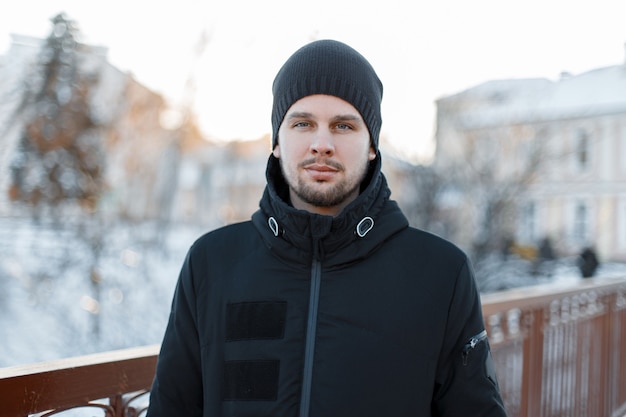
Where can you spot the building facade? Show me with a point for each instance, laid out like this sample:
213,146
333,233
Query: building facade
536,159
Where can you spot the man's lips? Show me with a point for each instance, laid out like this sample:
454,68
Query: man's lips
320,172
321,168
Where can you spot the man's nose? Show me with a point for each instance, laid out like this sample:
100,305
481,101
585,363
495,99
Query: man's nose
323,143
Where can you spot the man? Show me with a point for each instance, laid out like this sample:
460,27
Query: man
326,303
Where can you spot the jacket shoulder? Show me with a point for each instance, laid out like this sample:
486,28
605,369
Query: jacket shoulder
225,240
431,244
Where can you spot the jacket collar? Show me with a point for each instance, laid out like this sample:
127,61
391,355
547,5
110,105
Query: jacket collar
302,236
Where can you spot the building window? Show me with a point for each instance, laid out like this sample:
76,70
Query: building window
582,150
623,146
580,229
621,239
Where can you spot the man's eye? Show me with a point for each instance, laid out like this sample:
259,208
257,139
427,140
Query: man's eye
301,124
343,126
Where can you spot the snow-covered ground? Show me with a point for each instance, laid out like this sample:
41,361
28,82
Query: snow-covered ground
493,274
51,307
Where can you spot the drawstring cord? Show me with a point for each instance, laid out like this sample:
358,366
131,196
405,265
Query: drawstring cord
365,225
362,228
273,225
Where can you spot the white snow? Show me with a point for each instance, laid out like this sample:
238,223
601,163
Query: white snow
49,306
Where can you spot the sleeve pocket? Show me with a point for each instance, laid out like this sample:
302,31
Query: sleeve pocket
477,359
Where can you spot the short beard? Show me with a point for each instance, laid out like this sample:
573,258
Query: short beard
332,197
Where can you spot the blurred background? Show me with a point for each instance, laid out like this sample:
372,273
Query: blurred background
126,131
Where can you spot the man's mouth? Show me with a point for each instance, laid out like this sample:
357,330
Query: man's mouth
320,172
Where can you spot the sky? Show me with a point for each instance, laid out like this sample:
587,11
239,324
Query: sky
422,51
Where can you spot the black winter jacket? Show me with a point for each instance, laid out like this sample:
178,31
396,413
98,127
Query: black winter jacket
294,314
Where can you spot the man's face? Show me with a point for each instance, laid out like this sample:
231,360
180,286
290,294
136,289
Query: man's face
324,149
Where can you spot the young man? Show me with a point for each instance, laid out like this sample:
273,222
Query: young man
326,303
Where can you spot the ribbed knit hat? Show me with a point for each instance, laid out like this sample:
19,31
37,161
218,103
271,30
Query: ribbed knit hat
332,68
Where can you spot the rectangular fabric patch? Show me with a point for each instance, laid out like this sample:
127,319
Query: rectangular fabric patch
255,320
251,380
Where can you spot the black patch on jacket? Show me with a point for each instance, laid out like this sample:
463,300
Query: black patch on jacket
255,320
251,380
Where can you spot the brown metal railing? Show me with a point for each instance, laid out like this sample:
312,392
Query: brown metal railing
110,381
559,352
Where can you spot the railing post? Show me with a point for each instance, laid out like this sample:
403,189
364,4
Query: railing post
532,369
605,355
617,356
117,403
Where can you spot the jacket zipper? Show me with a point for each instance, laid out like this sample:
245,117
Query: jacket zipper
309,351
471,344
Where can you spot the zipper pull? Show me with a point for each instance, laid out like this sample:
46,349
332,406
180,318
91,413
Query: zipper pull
471,344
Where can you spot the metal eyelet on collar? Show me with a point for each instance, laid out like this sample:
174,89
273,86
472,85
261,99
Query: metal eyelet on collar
273,225
364,226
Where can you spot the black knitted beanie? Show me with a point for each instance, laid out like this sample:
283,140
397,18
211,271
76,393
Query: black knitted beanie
332,68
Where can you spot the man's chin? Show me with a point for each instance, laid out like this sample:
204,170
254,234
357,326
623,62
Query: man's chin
319,199
326,195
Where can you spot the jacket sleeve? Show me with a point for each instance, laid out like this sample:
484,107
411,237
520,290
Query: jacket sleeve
177,386
466,384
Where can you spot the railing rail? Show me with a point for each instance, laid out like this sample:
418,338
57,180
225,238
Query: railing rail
73,382
559,351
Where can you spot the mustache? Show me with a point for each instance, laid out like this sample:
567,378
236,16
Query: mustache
321,161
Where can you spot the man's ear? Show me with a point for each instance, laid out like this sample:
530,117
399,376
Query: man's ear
276,151
372,154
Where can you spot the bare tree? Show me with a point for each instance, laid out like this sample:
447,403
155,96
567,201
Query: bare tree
497,184
60,156
58,169
420,188
490,178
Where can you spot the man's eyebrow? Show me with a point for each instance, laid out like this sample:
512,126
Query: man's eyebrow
299,115
339,117
348,117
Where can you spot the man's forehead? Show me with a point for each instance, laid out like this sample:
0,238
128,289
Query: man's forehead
321,104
